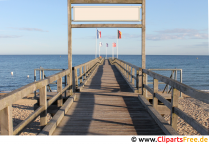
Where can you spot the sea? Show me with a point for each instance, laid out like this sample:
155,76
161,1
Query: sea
195,68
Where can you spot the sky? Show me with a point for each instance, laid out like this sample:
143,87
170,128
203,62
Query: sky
173,27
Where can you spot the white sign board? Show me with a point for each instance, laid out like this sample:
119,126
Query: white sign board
106,13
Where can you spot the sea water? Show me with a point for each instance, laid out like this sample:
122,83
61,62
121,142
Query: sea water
195,68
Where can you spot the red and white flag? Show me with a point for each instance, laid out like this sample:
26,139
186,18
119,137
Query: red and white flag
114,44
119,34
98,34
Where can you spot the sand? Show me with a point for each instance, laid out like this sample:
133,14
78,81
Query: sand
195,108
21,110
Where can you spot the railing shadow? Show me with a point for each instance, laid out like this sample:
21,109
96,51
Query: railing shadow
143,125
78,121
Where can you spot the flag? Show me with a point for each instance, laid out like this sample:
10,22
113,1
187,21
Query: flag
106,44
100,44
119,34
113,44
98,34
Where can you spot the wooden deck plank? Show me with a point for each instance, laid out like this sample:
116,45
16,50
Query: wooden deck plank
107,106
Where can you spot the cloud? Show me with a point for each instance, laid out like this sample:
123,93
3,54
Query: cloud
178,34
10,36
30,29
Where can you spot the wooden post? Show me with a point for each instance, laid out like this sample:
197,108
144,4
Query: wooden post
143,47
84,71
42,74
143,36
6,121
80,73
59,89
76,77
126,70
69,82
124,67
155,88
129,73
139,76
43,102
73,79
133,73
174,103
144,81
69,47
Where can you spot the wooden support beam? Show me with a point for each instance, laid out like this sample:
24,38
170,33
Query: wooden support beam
84,71
43,102
106,26
144,81
6,121
143,36
133,73
155,88
80,73
59,89
143,46
139,77
69,47
129,73
69,82
106,1
174,103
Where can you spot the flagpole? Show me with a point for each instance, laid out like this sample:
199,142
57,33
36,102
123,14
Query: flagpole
117,42
112,52
99,50
96,45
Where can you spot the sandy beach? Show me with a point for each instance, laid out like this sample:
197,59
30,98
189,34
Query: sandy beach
195,108
21,110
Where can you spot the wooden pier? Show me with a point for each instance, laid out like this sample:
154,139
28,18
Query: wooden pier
107,106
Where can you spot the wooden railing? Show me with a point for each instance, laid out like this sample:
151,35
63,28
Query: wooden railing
81,73
7,100
132,74
177,87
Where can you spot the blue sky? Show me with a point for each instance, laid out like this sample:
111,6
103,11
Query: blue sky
173,27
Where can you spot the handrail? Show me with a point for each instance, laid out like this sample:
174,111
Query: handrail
177,86
132,73
84,72
197,94
8,99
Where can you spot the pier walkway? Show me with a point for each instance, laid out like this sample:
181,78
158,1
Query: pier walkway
107,106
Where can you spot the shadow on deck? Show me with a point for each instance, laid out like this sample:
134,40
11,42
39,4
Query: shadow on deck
107,106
